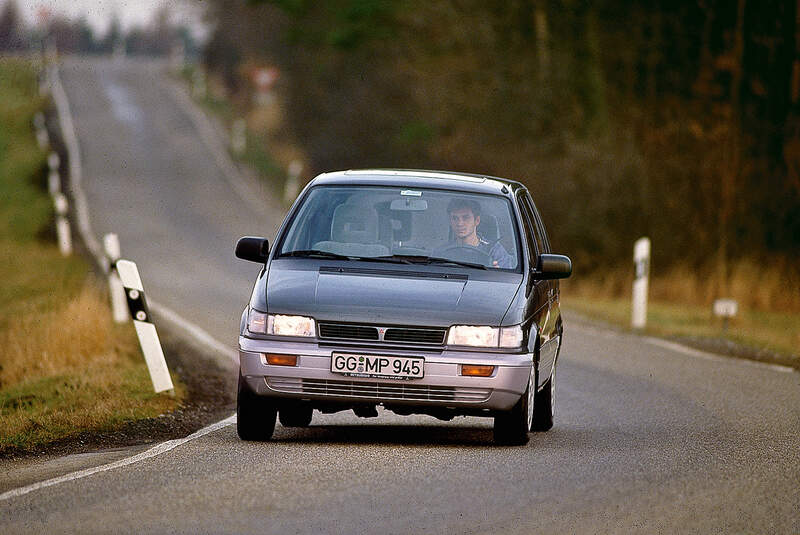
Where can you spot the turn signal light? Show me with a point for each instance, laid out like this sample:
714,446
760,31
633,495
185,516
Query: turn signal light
477,370
281,360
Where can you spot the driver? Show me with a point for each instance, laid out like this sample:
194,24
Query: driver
465,216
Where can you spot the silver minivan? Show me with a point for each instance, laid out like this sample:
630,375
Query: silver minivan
423,292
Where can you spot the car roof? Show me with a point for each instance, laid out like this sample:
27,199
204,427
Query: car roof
419,178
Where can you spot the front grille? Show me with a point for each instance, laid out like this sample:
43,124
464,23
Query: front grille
347,332
405,335
415,336
378,391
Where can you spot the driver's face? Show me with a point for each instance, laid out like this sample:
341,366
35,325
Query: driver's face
463,222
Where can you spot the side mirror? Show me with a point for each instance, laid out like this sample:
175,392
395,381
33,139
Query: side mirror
253,249
553,266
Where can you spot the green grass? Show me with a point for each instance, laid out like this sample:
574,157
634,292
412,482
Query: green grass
774,331
64,366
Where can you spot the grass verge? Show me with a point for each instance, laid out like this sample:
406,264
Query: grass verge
65,367
769,336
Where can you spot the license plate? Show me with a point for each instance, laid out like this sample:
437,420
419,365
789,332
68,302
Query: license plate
386,366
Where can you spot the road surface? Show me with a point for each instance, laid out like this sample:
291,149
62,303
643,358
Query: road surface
648,438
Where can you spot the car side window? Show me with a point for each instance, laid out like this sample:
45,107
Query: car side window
541,238
542,231
529,224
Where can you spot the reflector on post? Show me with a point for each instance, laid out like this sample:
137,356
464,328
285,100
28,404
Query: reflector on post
145,330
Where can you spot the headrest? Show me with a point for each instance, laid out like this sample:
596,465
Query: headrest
353,223
489,230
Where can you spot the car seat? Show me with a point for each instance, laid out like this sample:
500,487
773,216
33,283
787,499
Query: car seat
354,232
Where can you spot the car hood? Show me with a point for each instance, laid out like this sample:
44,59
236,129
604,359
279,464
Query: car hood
391,297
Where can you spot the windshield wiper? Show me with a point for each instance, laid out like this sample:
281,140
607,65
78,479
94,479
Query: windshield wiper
316,253
421,259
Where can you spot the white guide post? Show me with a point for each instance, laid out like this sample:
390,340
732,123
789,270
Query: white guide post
44,86
42,138
145,330
53,182
62,225
292,186
641,262
199,84
38,120
725,309
119,304
239,137
53,161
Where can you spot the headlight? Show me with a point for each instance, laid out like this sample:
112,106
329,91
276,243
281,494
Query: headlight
485,336
290,325
280,325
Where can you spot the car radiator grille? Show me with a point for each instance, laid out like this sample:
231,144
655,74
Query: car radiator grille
375,390
406,335
347,332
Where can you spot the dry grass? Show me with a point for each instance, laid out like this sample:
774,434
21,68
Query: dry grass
81,333
680,304
71,369
768,288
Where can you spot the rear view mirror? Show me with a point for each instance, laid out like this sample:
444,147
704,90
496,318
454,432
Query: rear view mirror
409,205
553,266
253,248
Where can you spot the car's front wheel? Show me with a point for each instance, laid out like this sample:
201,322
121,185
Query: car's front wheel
511,428
255,415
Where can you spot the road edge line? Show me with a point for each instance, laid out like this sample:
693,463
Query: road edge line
687,350
197,333
75,169
592,326
158,449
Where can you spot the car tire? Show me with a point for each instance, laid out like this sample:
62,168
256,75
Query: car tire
255,415
296,415
511,428
544,405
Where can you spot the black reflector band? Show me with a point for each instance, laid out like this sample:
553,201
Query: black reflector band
137,304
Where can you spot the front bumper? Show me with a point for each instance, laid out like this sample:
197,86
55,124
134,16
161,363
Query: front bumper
442,386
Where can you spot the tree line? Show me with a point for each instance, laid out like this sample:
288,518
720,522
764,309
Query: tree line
78,36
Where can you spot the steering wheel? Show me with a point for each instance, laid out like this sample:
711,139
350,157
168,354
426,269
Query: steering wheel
467,253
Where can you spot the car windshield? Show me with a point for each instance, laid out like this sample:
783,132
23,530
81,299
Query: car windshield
404,225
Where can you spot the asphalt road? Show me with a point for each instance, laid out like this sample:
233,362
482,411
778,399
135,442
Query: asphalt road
647,439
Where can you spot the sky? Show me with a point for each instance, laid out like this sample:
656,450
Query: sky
131,13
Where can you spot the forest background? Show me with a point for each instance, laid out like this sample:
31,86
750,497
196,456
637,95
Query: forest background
676,120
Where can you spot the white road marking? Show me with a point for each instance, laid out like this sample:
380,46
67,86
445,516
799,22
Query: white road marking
75,170
680,348
195,332
685,350
152,452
